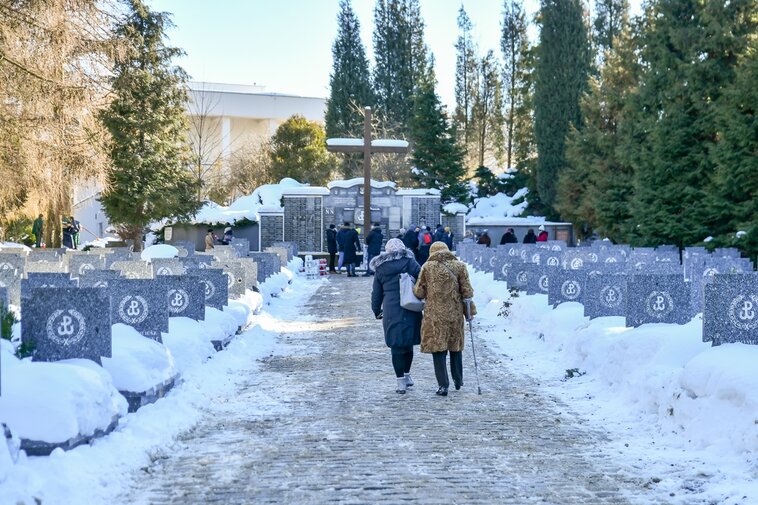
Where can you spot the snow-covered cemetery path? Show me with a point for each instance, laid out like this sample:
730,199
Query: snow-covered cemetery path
319,422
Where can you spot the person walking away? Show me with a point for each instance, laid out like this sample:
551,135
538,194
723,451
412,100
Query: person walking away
530,237
401,234
439,234
209,240
373,247
410,240
351,246
444,284
402,328
542,237
38,228
228,236
447,237
425,242
484,238
75,229
509,237
341,235
331,247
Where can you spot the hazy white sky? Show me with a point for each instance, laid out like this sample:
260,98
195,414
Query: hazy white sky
286,45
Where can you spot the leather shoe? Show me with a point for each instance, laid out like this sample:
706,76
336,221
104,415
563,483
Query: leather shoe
442,391
458,385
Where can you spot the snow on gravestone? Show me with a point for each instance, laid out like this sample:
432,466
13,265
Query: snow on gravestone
657,298
605,295
66,323
215,286
168,266
235,276
731,310
140,304
185,295
80,264
566,286
98,278
36,280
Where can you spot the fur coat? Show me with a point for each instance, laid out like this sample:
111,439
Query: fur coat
442,328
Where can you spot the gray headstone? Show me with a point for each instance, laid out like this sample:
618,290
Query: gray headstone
574,259
268,264
48,255
731,310
251,273
224,252
215,286
66,323
537,279
518,276
4,300
727,252
290,246
197,261
188,247
241,246
98,278
138,303
133,269
503,263
11,281
566,286
36,280
657,299
185,295
80,264
12,262
46,266
605,296
168,266
235,276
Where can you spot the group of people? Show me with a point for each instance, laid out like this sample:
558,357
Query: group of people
509,237
211,238
343,245
444,285
69,226
419,239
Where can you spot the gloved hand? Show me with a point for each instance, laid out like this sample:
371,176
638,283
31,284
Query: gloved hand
380,315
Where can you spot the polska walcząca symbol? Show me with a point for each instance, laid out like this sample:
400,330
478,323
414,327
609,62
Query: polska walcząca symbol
6,266
521,277
229,279
164,271
210,289
610,296
577,263
85,267
742,312
544,283
133,309
659,304
178,300
571,290
552,261
66,327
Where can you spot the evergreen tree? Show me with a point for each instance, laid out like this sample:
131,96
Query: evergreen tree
487,119
298,150
149,180
562,66
437,157
349,85
400,59
514,44
611,17
466,76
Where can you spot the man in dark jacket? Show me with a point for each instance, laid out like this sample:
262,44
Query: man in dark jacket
341,234
439,234
402,328
351,245
373,246
530,237
331,247
37,230
410,240
509,237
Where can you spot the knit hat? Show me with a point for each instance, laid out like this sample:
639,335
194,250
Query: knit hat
541,228
394,244
227,229
438,247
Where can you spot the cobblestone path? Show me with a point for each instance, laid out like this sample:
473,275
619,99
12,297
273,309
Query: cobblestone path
327,427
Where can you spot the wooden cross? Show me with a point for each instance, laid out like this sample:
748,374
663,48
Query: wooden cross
367,147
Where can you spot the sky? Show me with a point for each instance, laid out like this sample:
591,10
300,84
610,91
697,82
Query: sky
286,45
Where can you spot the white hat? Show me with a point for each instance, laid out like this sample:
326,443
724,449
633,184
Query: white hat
228,228
541,228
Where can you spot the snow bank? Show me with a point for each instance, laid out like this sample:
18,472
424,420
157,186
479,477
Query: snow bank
187,342
454,208
138,363
488,210
13,245
159,251
54,402
101,242
225,324
349,183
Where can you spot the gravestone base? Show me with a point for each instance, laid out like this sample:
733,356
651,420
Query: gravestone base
38,448
220,345
152,395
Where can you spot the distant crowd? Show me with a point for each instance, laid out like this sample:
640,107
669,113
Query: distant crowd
70,228
509,237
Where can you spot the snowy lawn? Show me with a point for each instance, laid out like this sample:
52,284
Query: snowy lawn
685,414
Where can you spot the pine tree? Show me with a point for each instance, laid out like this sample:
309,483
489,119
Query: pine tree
149,180
611,17
298,150
349,85
514,44
562,66
488,120
437,157
466,76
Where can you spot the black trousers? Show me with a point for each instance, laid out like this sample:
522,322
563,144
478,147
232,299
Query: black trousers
332,256
402,358
440,367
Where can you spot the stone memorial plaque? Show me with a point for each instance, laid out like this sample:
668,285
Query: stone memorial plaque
657,298
168,266
12,282
489,259
120,255
196,261
215,286
80,264
251,273
234,271
36,280
98,278
731,310
605,295
67,323
241,246
137,303
282,253
224,252
133,269
502,264
566,286
573,259
12,262
185,294
268,264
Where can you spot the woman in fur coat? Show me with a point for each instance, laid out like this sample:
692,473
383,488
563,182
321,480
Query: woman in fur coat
444,284
402,328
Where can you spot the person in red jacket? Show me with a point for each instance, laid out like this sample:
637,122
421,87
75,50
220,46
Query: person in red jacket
542,237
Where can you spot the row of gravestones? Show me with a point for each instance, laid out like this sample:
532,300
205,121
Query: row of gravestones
643,285
69,315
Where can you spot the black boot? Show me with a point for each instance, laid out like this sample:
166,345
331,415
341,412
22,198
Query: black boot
442,391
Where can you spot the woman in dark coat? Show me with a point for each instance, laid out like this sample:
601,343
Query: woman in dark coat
351,245
402,328
410,240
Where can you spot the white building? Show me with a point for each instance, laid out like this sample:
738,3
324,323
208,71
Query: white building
225,117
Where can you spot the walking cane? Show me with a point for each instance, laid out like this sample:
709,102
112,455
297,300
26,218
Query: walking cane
473,349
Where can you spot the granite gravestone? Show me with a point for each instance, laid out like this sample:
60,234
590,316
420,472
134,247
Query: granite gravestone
251,273
489,259
47,255
186,248
80,264
4,301
11,281
519,277
656,298
46,266
36,280
605,295
185,295
196,261
241,246
66,323
573,259
14,263
168,266
224,252
133,269
731,310
120,255
137,303
234,271
215,286
268,264
566,286
290,246
503,263
282,253
98,278
536,278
